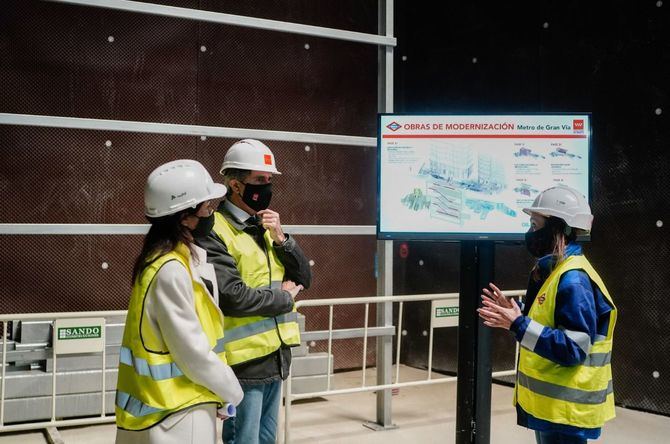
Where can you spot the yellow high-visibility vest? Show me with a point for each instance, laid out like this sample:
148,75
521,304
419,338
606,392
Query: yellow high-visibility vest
253,337
150,384
581,395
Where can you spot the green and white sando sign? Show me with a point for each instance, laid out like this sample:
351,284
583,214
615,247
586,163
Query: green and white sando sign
444,313
79,335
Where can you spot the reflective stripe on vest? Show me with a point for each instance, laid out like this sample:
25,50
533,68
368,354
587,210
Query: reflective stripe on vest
579,396
150,384
258,327
248,338
133,405
158,372
564,393
598,359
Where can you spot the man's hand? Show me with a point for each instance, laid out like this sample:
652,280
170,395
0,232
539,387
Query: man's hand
270,221
292,288
498,311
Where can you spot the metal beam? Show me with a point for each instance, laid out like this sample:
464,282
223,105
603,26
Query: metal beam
235,20
347,333
142,229
182,130
384,248
377,299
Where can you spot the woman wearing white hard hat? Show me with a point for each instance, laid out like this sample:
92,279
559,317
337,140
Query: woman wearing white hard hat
173,374
564,379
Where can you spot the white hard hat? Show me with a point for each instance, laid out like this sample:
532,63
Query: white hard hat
250,154
565,203
178,185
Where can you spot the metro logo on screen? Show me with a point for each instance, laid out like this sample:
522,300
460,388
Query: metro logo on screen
578,125
393,126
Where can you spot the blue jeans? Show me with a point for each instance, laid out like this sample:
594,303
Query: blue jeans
557,438
256,420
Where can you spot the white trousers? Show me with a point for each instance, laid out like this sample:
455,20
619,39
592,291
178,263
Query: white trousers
195,425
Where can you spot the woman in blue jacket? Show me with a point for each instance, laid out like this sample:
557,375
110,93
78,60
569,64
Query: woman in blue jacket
565,327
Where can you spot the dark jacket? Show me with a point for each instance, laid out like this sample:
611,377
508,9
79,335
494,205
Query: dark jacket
239,300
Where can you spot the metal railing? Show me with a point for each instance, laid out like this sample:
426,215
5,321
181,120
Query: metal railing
53,422
365,332
374,331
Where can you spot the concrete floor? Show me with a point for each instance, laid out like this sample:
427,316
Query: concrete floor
425,414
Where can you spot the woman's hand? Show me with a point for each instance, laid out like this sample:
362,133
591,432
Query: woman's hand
496,295
498,311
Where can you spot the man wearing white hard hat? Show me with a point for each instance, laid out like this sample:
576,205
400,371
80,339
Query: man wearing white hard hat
564,378
259,271
172,365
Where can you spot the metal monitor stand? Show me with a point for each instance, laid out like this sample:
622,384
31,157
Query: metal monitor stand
473,398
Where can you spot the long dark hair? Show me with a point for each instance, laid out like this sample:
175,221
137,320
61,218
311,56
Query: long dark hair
561,235
164,235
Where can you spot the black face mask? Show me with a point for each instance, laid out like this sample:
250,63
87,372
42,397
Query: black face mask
205,225
257,197
539,242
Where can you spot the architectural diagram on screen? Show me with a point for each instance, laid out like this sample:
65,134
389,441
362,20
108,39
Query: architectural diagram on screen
463,169
562,152
416,200
526,189
484,207
460,185
527,152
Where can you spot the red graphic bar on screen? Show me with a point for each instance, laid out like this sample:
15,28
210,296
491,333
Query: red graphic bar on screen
484,136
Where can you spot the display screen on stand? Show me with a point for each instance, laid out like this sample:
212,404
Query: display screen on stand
460,177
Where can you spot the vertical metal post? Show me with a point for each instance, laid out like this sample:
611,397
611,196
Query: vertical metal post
485,260
467,344
365,343
430,346
53,373
330,344
384,343
397,347
384,248
104,365
473,398
287,411
4,368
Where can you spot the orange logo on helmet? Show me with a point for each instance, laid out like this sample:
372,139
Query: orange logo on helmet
267,159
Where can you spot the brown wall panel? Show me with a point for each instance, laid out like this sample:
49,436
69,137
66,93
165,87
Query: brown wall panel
58,59
45,274
328,184
351,15
263,79
53,175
